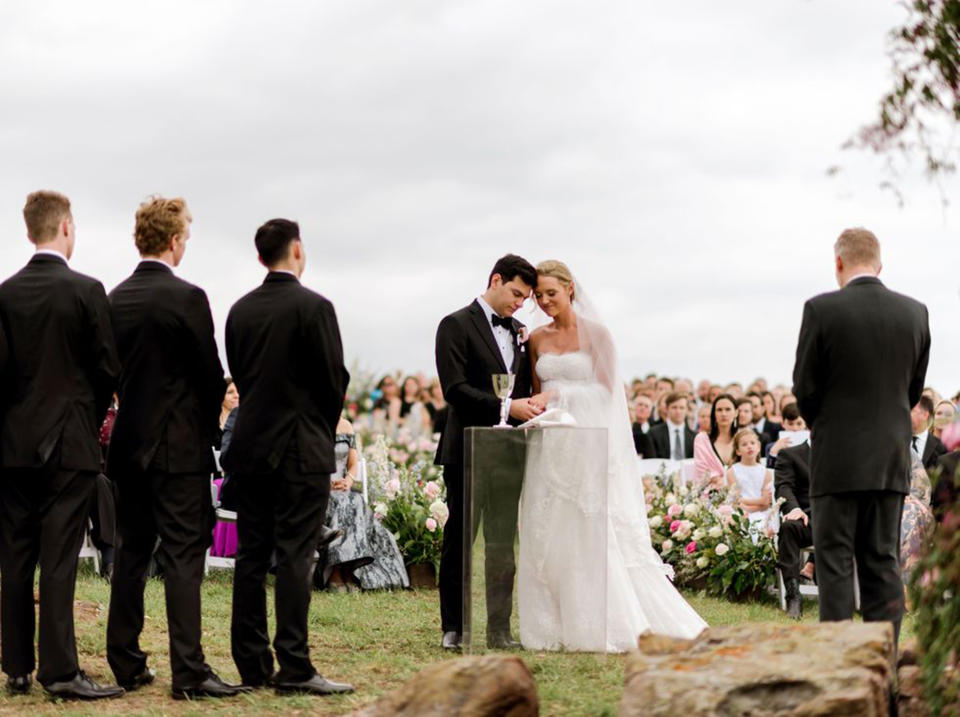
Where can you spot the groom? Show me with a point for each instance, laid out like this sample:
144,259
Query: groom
474,343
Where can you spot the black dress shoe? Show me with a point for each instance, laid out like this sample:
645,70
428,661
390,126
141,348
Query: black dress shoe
141,679
451,640
328,536
19,685
316,685
502,641
82,687
213,686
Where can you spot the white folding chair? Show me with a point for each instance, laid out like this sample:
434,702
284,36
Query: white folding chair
88,549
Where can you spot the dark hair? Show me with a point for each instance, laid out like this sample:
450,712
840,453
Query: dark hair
675,396
790,412
926,403
382,402
510,267
751,394
273,240
714,428
740,401
666,379
227,382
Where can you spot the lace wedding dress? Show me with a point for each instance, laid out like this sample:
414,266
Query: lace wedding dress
568,528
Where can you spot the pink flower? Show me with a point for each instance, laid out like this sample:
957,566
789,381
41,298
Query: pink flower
392,488
674,510
691,546
725,510
676,525
431,524
431,490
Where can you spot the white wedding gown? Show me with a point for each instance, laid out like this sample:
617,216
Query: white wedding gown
563,539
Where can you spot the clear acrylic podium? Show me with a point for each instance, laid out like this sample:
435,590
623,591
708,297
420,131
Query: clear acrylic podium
543,557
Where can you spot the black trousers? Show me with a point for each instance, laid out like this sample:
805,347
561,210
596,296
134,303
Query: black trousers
177,508
43,513
793,537
496,502
281,512
864,526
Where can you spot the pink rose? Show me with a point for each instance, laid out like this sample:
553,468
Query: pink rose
431,524
431,490
691,546
676,525
674,510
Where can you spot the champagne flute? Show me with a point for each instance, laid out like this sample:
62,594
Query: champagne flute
503,387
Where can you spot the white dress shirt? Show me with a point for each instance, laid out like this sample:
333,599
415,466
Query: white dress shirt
503,336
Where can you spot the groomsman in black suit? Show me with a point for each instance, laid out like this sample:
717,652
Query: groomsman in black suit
673,439
58,369
863,345
473,343
791,481
926,445
161,455
286,357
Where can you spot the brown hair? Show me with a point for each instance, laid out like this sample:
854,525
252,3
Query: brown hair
559,271
43,213
673,397
858,247
158,221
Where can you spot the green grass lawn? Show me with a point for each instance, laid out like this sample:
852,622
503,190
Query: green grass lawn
374,640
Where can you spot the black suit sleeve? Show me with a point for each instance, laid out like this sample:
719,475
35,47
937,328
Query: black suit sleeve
333,378
785,482
208,370
104,366
920,373
806,371
4,351
451,348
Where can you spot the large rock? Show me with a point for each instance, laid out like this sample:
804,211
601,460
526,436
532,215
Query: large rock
839,668
475,686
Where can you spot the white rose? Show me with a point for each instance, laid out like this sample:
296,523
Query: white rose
715,532
440,511
698,534
656,521
703,561
670,499
691,510
666,545
721,549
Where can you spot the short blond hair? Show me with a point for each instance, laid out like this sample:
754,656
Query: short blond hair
43,213
858,247
158,221
558,270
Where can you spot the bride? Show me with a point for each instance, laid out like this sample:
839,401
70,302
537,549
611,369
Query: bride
567,597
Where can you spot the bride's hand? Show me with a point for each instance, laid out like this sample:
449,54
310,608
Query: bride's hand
523,409
541,399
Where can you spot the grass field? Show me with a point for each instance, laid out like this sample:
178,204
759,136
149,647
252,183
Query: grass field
376,641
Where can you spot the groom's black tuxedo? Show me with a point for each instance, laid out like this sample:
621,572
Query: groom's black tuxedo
467,356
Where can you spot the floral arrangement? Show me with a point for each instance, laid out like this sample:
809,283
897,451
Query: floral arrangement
360,393
709,543
408,496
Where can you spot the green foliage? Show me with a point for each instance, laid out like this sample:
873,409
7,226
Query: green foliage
935,590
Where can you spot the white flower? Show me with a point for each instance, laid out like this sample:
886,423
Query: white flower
698,534
431,490
721,549
656,521
691,510
379,510
715,532
392,488
440,511
703,561
670,499
666,545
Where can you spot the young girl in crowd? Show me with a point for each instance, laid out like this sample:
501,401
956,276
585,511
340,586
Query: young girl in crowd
751,480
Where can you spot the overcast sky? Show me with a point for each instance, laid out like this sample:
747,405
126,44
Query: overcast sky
673,154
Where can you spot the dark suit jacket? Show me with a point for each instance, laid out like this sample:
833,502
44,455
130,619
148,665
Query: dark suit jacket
641,442
662,441
61,366
932,450
946,490
171,381
467,355
286,357
791,478
861,362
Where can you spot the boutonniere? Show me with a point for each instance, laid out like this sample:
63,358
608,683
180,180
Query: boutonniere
522,336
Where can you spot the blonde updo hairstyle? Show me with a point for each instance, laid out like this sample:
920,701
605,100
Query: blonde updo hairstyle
559,271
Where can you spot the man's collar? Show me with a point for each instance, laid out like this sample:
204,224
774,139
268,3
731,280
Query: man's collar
52,252
672,425
862,275
487,309
150,260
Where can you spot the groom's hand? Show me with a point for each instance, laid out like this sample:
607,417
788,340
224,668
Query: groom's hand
541,400
523,409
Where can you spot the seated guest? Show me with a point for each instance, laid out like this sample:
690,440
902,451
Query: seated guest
386,407
703,418
761,424
673,439
713,451
231,399
750,480
925,445
715,391
792,485
367,557
792,421
413,416
435,404
735,389
745,415
770,407
643,410
916,519
943,414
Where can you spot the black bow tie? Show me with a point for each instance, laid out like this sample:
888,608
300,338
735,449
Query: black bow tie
505,322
